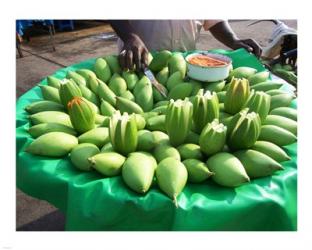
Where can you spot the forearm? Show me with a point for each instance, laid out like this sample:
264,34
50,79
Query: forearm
223,32
123,29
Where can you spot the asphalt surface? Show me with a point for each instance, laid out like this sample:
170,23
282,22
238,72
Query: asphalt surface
72,47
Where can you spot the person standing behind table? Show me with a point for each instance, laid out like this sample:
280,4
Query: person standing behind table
138,37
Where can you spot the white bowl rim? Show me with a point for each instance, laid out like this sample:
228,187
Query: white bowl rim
227,59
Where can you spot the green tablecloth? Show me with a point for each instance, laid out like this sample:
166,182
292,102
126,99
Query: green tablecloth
91,202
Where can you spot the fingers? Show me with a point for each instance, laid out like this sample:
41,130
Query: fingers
256,49
122,59
144,58
137,59
129,60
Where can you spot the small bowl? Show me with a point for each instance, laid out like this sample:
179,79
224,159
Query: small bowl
209,73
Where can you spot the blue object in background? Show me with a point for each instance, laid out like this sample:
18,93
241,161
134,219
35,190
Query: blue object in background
21,25
64,24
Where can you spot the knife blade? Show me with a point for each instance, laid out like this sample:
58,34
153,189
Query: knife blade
161,89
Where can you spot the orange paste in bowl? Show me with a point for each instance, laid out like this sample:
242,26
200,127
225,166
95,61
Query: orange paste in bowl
206,61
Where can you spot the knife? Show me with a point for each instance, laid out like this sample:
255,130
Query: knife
161,89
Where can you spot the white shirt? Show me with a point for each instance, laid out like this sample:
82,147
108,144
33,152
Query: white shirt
174,35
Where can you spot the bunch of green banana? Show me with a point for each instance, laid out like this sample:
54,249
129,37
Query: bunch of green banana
259,102
82,116
68,90
236,95
179,120
244,130
242,72
205,109
212,138
123,133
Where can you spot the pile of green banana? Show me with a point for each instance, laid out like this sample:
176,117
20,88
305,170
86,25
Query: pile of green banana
287,72
116,123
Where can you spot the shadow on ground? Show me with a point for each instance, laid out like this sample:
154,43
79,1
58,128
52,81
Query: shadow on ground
54,221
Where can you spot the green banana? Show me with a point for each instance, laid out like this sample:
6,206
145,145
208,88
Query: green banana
89,95
242,72
53,144
266,86
276,135
157,96
162,76
257,164
205,109
177,63
140,121
160,138
259,102
178,120
282,100
102,120
97,136
271,150
108,147
171,175
236,95
156,123
282,122
197,171
131,79
161,103
138,171
108,163
192,138
174,79
180,91
163,151
40,106
43,128
286,112
215,86
273,92
221,96
228,170
160,60
106,108
212,138
93,84
225,118
190,151
50,116
197,86
78,79
245,131
81,114
117,84
102,69
112,61
143,93
125,105
104,92
259,77
123,133
68,90
80,154
128,95
86,74
50,93
146,141
54,82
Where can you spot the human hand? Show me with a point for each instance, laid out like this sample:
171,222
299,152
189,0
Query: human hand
133,53
248,44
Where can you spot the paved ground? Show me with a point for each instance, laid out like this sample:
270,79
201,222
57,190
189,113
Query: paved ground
40,61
